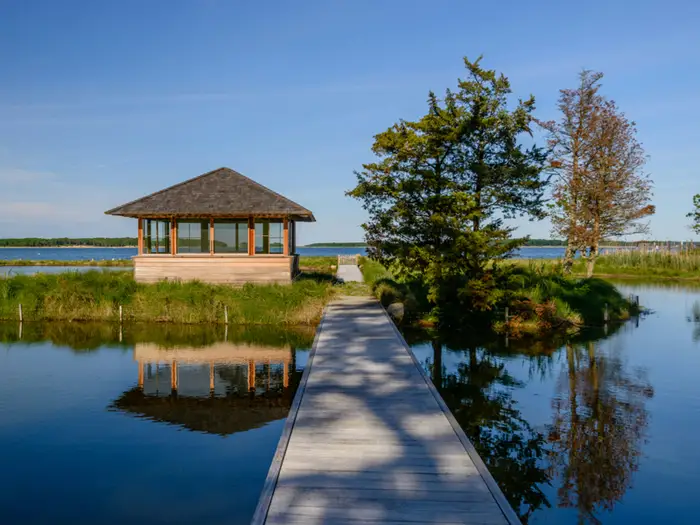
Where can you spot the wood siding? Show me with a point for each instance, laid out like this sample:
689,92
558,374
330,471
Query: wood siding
214,269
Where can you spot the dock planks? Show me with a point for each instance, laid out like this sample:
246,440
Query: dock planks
369,440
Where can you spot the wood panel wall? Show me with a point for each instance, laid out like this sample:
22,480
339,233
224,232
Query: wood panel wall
214,269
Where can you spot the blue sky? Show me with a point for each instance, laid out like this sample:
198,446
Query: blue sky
102,102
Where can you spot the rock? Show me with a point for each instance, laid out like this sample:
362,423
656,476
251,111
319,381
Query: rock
396,311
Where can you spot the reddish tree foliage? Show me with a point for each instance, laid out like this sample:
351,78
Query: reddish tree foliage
602,191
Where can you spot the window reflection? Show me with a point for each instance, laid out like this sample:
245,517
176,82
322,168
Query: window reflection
156,236
269,237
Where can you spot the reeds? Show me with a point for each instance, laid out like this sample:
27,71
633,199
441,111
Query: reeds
97,296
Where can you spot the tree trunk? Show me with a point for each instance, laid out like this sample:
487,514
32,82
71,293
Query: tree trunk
594,248
569,255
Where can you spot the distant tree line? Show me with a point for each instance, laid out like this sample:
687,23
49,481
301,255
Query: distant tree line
33,242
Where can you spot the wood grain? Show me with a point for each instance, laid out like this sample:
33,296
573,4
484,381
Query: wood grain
369,442
235,269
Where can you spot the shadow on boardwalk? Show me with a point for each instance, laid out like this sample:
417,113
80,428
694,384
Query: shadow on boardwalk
370,443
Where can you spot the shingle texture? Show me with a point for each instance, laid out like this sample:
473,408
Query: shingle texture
219,193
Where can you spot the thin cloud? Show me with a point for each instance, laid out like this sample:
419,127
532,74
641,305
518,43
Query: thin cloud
19,177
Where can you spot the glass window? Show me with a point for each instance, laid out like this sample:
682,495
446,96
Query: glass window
231,236
192,236
156,236
269,237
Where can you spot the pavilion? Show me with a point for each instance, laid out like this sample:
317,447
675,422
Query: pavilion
219,227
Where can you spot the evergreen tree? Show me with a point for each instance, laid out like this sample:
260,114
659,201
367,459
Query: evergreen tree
443,185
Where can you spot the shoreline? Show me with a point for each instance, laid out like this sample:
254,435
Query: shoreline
73,247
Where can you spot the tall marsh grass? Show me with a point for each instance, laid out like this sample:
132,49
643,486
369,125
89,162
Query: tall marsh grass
97,295
639,263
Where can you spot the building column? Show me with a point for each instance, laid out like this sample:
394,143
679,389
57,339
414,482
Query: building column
140,375
285,374
211,236
285,236
139,243
251,376
251,236
173,236
173,376
294,236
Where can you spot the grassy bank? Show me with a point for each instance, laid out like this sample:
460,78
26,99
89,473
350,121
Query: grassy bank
96,296
306,263
650,264
656,265
540,300
30,262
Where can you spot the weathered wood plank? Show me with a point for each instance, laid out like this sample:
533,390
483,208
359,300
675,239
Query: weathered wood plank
371,441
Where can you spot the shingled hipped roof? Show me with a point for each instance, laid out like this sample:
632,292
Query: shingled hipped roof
219,193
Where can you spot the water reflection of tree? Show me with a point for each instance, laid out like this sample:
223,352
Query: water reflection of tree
695,319
597,430
479,396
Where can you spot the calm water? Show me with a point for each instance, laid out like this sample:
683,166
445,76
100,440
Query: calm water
85,438
101,254
600,429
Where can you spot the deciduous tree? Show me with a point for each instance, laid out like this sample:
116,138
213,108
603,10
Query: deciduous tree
570,139
617,192
601,190
443,185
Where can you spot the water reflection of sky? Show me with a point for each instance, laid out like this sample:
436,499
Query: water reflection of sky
661,359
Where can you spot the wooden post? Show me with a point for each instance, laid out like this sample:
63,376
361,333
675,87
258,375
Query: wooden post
20,312
140,237
211,376
211,236
285,373
285,236
251,236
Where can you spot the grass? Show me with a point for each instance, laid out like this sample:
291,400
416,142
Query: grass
31,262
306,263
97,295
632,263
656,264
540,299
320,264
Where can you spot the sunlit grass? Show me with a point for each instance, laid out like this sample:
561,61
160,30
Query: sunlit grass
97,295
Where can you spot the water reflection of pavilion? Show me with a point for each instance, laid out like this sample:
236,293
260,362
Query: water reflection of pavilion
221,389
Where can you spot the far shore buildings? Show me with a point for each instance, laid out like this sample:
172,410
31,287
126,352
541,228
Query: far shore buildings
219,227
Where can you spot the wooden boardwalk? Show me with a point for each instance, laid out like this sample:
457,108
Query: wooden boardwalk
369,440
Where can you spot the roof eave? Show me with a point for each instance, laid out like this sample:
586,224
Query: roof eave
300,217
